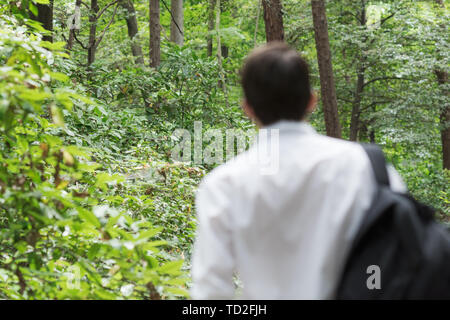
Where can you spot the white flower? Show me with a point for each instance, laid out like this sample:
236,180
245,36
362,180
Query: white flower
127,289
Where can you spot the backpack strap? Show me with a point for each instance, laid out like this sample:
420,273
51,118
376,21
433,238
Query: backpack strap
378,162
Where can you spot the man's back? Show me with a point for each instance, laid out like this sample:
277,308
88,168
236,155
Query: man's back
287,232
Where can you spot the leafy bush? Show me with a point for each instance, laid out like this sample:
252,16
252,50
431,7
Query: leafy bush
57,239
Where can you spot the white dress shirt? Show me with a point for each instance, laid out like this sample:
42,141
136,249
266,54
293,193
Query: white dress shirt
285,232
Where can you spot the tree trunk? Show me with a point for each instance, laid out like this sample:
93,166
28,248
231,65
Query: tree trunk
211,23
328,90
258,11
356,108
73,26
224,50
223,47
444,117
273,19
223,84
176,25
132,26
372,130
155,34
45,16
92,31
445,121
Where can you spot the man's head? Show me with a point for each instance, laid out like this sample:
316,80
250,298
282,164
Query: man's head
276,85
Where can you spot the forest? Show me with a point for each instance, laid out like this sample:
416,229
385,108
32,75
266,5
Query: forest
93,94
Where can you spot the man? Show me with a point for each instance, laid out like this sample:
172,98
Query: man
286,232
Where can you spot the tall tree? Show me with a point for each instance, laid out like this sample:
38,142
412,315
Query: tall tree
176,25
258,11
211,24
45,16
273,18
223,84
442,77
327,86
94,41
132,26
155,34
361,69
223,47
92,31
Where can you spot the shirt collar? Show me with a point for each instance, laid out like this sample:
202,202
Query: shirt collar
291,125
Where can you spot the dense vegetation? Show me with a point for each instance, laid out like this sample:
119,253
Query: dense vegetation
92,206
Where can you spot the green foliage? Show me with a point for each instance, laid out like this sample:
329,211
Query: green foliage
91,204
59,236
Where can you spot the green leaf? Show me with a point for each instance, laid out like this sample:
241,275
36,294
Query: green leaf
104,178
33,8
89,217
178,291
59,76
171,268
149,233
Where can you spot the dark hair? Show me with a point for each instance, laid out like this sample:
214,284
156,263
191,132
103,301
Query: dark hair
276,84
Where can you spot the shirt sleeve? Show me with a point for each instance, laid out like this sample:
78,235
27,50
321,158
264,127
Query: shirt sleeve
212,260
395,180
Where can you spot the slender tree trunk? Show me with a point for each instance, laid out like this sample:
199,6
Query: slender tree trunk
223,84
372,130
132,26
444,117
69,44
258,12
133,30
445,120
176,25
211,23
327,86
223,47
155,34
92,31
273,18
356,108
74,25
45,16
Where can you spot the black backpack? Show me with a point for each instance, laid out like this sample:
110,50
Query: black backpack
400,251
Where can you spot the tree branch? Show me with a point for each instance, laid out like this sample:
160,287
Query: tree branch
354,15
173,19
104,9
387,18
97,42
387,78
79,42
370,105
86,5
